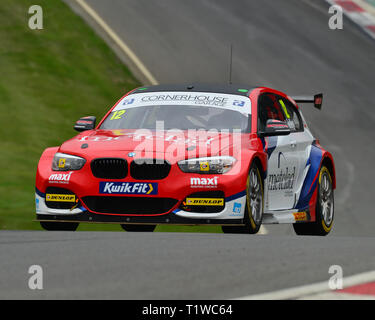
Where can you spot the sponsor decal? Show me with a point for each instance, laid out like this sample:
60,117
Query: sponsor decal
127,102
195,98
128,188
237,207
61,197
204,166
37,204
226,101
204,182
284,180
62,163
300,216
204,202
239,103
60,177
97,139
117,115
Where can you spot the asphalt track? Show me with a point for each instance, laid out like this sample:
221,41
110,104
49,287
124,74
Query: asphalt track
283,44
116,265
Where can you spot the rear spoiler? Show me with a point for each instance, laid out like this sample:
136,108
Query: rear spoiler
317,100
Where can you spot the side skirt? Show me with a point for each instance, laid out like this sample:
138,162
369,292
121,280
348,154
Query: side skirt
286,216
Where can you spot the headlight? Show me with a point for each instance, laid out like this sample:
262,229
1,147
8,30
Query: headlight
67,162
211,165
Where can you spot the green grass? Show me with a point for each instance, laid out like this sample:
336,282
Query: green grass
49,79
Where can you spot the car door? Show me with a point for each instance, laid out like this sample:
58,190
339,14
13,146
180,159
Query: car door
301,141
283,164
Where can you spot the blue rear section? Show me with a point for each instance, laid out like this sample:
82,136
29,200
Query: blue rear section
311,179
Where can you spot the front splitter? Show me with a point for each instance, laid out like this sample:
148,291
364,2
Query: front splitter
168,219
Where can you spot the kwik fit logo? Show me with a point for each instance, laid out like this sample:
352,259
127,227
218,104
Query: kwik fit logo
128,188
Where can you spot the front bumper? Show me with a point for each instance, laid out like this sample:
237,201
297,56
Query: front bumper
232,214
178,186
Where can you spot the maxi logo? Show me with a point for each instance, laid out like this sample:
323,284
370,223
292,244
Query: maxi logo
203,182
60,177
128,188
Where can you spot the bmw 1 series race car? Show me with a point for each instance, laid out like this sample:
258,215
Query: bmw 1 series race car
197,154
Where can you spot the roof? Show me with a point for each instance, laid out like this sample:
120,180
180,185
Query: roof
243,90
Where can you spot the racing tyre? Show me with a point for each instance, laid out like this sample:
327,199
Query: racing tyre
138,228
254,204
59,226
324,208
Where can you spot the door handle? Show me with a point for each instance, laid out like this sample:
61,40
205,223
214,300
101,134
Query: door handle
293,144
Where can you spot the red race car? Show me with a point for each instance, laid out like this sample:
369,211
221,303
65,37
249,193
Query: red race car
196,154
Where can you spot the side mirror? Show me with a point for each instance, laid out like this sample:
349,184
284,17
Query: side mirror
85,123
276,128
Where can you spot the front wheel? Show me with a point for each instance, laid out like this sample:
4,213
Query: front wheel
138,228
59,226
324,208
254,204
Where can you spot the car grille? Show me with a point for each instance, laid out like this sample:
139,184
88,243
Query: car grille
129,205
109,168
149,169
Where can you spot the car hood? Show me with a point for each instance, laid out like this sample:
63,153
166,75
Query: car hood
180,144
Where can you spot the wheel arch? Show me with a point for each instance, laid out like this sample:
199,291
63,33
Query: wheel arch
262,166
328,162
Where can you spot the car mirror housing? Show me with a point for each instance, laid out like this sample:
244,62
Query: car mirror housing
276,128
85,123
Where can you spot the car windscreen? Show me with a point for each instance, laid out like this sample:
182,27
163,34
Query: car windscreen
194,111
173,117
